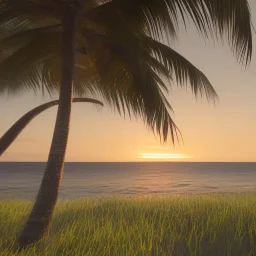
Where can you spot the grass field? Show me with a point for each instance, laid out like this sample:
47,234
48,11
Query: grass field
207,225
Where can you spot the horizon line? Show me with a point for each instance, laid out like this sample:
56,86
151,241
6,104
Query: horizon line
133,161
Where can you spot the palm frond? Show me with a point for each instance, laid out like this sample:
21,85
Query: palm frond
20,15
26,60
135,87
183,70
160,18
162,58
120,58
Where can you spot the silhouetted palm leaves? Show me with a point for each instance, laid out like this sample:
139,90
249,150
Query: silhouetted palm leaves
31,43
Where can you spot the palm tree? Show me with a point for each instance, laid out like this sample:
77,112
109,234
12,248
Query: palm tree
118,44
8,138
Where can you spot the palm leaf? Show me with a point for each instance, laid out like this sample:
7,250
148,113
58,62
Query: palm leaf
163,59
160,18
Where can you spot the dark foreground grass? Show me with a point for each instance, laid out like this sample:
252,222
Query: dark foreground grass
208,225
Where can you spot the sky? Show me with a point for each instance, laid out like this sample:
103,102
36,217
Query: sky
225,131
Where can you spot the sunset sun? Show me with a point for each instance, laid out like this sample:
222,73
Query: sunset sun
162,156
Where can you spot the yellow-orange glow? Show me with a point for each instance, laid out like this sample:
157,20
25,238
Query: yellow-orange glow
163,156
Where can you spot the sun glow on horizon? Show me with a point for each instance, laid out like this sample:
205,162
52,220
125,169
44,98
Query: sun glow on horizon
163,156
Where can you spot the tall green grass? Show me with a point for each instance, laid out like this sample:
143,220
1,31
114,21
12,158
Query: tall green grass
207,225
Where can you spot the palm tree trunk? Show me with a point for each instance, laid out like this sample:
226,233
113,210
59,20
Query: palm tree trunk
38,222
8,138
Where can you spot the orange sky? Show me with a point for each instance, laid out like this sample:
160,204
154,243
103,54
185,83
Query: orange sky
225,132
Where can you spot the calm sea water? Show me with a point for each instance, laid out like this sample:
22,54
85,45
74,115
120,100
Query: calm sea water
22,180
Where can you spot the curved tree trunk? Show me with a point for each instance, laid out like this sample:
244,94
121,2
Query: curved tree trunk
8,138
38,222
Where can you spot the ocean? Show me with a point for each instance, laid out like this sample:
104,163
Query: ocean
21,180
